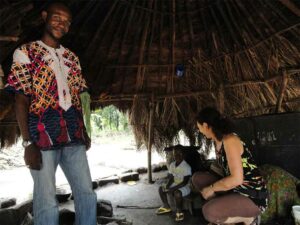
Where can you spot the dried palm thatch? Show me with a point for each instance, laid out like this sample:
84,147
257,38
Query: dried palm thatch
241,56
9,131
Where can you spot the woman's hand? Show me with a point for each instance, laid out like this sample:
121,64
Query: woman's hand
207,192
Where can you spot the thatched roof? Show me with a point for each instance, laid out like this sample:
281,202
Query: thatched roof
239,55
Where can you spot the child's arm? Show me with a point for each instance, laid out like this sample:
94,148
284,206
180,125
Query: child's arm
170,180
182,184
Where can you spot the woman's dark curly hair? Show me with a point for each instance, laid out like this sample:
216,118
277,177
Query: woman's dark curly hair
219,125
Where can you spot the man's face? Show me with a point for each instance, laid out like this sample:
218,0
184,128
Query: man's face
58,21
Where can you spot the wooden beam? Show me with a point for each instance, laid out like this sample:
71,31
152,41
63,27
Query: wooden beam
161,29
191,30
219,32
281,16
121,58
173,40
151,36
266,107
9,38
291,6
129,97
255,45
249,17
282,90
141,70
98,33
83,16
195,10
207,38
228,24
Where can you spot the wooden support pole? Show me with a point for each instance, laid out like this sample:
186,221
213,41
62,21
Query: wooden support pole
282,90
150,137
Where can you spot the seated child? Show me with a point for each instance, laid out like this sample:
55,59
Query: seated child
177,185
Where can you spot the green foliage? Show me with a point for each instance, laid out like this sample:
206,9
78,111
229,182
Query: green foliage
109,119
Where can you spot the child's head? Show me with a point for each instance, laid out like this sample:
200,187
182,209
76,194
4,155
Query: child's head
178,153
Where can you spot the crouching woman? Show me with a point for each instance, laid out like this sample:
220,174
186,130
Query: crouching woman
239,196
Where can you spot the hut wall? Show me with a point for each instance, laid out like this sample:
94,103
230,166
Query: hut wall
275,139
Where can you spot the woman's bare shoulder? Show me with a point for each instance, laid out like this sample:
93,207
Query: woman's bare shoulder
231,137
232,140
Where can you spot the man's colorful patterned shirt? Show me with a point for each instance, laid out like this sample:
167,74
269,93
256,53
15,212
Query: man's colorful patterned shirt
50,126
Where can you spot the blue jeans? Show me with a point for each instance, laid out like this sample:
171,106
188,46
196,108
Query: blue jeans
73,161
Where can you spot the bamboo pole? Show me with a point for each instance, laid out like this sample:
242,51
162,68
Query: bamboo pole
151,36
191,30
228,24
1,78
141,70
9,38
203,18
291,6
250,111
129,97
161,28
173,40
122,44
98,33
150,137
282,90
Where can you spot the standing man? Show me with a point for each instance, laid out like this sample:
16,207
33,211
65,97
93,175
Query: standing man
47,80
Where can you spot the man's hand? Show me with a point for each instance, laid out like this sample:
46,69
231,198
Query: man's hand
33,157
87,140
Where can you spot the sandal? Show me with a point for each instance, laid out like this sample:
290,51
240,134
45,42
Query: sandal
162,210
179,216
256,221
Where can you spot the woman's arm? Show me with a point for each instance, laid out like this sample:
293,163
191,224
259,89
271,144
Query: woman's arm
233,149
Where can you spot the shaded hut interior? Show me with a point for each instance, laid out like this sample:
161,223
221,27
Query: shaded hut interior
162,61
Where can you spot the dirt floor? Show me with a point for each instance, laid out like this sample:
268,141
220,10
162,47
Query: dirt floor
138,203
107,156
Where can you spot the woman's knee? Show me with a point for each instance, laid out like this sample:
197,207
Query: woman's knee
210,213
196,178
201,179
